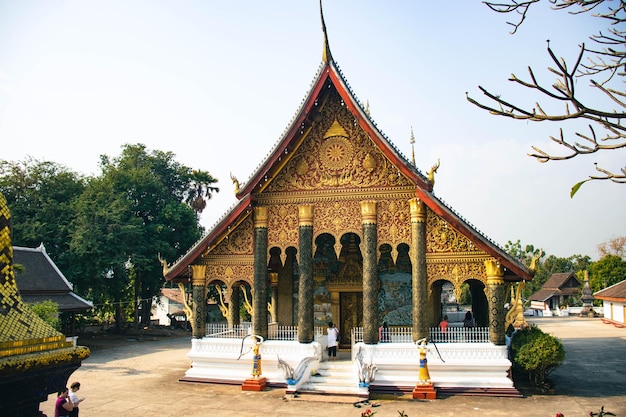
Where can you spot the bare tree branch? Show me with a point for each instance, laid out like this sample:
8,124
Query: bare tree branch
608,61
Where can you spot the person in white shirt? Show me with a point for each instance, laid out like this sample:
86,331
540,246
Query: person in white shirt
74,398
333,335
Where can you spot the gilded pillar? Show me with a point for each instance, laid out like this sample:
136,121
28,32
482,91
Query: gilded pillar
370,272
259,297
198,319
419,277
496,292
233,307
305,285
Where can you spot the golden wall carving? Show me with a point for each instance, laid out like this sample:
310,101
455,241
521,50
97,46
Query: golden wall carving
282,228
336,153
442,237
238,241
394,225
229,271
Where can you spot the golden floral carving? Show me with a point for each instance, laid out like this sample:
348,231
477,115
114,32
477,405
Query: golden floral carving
337,218
229,273
442,237
349,159
239,241
394,226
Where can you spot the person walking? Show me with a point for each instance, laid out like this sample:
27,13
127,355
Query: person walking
63,404
333,337
73,395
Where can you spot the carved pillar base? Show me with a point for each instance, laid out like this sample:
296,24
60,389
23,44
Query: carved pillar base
254,384
424,392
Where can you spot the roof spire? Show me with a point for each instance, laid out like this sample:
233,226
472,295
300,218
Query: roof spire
326,55
412,142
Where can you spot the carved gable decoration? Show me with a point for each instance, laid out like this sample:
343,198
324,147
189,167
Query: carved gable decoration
442,237
336,153
238,242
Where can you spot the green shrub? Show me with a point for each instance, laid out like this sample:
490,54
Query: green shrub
48,311
536,353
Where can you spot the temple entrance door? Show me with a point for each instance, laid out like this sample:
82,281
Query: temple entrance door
350,315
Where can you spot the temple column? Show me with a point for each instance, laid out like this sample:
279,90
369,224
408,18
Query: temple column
496,293
370,272
233,307
305,285
259,296
274,295
418,272
198,301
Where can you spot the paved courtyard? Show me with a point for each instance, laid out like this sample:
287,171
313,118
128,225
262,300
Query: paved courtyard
141,379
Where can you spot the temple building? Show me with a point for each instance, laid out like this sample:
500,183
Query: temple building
35,359
337,225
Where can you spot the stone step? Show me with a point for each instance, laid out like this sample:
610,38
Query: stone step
334,378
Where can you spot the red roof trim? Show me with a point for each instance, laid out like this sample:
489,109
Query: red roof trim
477,239
373,133
214,235
288,138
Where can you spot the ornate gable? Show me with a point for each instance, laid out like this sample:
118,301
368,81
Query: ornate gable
337,153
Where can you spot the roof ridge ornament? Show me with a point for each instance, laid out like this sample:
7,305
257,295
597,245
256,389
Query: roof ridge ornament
326,55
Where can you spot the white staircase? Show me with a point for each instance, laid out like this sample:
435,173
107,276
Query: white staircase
336,378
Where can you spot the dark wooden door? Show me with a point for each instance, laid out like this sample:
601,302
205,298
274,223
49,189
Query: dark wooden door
351,312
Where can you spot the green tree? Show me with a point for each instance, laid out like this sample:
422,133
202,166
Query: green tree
41,195
48,311
601,64
138,208
105,232
606,272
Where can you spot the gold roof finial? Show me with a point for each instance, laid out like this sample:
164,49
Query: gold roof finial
412,142
326,55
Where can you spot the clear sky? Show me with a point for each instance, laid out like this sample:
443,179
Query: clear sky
217,83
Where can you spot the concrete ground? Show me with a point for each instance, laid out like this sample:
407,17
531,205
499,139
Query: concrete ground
141,379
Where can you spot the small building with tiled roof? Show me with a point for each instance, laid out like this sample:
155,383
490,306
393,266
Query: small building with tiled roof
169,309
555,292
39,279
614,303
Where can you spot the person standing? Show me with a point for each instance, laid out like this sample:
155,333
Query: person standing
333,336
63,404
443,326
73,395
383,333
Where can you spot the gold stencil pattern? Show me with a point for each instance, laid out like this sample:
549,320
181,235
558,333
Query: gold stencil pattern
282,229
337,218
442,237
239,241
230,272
394,225
324,161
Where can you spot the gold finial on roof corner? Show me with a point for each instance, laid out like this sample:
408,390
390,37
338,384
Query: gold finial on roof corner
235,182
335,130
431,173
326,55
412,142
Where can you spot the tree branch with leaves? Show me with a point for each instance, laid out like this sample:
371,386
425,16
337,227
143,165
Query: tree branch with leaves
606,131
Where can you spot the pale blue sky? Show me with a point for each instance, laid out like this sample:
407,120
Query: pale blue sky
217,83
